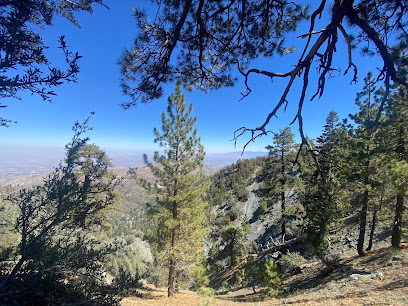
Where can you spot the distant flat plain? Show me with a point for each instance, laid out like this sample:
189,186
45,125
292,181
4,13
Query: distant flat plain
32,160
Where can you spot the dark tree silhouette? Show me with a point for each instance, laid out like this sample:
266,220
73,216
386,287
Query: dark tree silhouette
201,42
23,63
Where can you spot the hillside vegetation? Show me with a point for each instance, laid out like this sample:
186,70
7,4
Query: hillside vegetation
378,279
273,228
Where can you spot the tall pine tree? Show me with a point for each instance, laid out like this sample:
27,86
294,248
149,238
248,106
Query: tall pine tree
182,211
397,116
365,149
325,189
280,180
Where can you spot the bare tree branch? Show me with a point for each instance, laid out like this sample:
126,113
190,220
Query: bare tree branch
350,60
381,46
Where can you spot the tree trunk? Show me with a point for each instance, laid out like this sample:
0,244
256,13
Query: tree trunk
232,255
283,208
397,228
176,282
363,222
174,232
281,246
283,202
12,274
373,223
399,206
172,270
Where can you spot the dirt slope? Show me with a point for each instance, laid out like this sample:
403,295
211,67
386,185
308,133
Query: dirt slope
380,278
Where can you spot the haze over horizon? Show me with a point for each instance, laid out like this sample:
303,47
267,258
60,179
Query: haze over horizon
25,159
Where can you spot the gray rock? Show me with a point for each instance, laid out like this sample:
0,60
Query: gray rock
377,274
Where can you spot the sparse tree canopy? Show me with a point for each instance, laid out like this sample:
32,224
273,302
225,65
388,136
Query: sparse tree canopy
202,42
23,63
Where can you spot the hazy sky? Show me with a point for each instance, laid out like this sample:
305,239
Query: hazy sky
100,41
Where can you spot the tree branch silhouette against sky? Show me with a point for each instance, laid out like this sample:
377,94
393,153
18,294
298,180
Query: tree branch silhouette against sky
106,33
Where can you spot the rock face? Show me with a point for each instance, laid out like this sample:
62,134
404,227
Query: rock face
250,207
261,226
264,227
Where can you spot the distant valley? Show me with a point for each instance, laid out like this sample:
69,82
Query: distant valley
34,162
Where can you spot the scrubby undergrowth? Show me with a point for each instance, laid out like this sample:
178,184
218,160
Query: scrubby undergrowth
379,278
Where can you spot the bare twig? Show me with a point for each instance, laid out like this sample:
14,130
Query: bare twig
350,59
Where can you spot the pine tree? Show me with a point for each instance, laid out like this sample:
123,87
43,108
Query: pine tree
327,145
182,213
364,149
234,241
279,177
325,196
398,122
78,193
271,277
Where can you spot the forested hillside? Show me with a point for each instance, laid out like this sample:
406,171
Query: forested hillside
268,218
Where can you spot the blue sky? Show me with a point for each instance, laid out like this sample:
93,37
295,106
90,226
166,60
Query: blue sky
100,41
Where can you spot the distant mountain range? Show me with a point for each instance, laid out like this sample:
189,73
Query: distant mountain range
16,161
221,160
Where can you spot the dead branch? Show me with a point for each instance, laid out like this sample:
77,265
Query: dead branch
260,131
350,59
329,35
258,256
312,22
281,246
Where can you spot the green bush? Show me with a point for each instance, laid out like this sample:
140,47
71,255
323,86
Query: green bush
251,273
291,262
206,292
125,281
271,277
224,285
242,194
262,208
209,295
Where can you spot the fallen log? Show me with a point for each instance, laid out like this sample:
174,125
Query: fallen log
227,275
281,246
